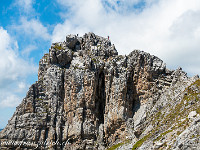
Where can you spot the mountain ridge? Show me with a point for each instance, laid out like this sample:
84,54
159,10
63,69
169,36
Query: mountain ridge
89,97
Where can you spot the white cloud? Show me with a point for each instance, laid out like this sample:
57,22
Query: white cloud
11,66
169,29
26,52
13,70
10,101
125,6
33,28
61,30
25,5
22,86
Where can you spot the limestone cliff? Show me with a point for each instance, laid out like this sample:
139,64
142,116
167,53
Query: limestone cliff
89,97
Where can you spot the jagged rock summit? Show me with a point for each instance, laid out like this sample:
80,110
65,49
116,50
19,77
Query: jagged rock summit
89,97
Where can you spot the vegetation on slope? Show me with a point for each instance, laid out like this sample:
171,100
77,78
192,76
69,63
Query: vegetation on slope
118,145
176,121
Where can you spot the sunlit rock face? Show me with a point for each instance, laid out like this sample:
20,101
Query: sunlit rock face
89,97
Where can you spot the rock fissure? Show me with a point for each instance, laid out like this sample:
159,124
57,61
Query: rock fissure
89,97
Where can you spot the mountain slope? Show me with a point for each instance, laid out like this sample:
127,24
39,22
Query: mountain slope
89,97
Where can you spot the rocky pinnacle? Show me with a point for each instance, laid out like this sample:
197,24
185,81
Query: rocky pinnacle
89,97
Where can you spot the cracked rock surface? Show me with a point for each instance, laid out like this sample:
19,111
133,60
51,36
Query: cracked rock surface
89,97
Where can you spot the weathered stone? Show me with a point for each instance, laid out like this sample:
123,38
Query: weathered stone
89,97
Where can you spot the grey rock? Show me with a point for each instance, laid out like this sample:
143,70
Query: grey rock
89,97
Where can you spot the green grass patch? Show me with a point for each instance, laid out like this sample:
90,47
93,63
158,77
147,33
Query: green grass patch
197,82
58,47
164,122
191,94
141,141
118,145
198,110
39,99
162,134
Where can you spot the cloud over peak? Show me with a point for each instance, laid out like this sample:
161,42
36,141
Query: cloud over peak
168,29
13,68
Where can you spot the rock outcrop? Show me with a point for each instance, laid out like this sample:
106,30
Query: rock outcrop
89,97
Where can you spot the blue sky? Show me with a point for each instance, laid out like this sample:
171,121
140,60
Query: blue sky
168,29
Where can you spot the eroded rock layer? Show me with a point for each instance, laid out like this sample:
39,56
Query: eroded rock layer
89,97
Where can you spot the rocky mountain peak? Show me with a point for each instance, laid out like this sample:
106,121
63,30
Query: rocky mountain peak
89,97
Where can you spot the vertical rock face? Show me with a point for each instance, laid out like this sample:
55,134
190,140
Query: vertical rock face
89,97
